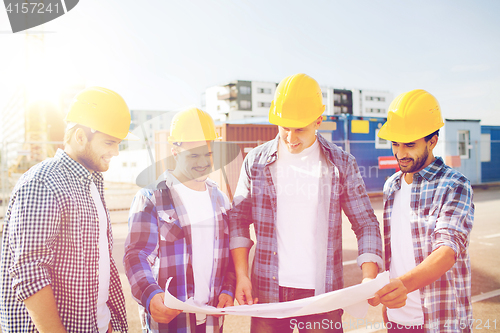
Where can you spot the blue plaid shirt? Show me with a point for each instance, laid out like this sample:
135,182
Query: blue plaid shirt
159,246
442,215
341,188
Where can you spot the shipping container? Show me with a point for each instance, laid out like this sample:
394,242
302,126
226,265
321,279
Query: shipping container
358,136
243,138
490,154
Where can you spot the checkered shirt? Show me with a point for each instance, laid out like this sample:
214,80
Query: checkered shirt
159,247
255,202
442,215
51,238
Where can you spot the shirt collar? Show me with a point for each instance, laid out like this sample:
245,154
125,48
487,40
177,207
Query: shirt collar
272,152
430,172
77,169
167,179
427,173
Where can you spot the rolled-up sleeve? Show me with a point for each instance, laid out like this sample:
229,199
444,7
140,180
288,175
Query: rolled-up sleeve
33,224
455,219
240,216
141,246
357,207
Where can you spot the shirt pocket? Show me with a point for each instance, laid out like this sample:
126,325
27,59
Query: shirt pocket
169,226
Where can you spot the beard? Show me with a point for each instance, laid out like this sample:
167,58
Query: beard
91,160
414,165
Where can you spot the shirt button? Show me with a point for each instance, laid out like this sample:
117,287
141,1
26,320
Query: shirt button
274,277
97,272
274,253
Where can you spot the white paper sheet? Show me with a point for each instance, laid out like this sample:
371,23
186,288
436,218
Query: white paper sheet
352,299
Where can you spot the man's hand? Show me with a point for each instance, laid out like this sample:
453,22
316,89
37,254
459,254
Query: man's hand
225,300
159,312
243,291
392,295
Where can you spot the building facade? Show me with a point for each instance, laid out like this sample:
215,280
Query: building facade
239,99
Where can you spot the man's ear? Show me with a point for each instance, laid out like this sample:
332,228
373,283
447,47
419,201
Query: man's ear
433,141
80,137
318,122
174,152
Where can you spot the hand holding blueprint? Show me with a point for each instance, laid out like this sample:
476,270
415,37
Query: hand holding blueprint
352,299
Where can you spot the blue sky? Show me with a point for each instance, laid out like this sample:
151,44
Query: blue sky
163,54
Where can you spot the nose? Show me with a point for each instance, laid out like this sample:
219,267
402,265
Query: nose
400,152
204,161
291,136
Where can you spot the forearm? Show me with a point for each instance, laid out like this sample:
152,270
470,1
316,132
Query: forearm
240,259
429,270
42,309
370,270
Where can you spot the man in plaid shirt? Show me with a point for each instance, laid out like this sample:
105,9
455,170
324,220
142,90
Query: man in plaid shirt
293,189
178,229
428,216
57,272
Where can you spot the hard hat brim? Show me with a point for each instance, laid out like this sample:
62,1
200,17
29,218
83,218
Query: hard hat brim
131,137
273,119
386,134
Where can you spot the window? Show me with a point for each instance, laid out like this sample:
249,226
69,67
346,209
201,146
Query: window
149,117
245,105
218,107
344,97
124,164
381,143
264,104
324,94
463,144
336,109
245,90
369,98
336,98
264,90
133,164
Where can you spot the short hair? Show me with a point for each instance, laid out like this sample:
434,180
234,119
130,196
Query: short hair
428,137
71,130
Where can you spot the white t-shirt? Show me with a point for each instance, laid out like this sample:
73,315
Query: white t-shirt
403,256
103,314
297,190
202,220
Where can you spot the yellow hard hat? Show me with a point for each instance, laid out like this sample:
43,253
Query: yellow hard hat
412,115
102,110
297,102
192,125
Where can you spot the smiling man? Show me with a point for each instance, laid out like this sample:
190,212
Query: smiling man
294,189
428,216
178,228
57,272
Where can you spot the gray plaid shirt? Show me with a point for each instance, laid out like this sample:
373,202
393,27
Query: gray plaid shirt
51,238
